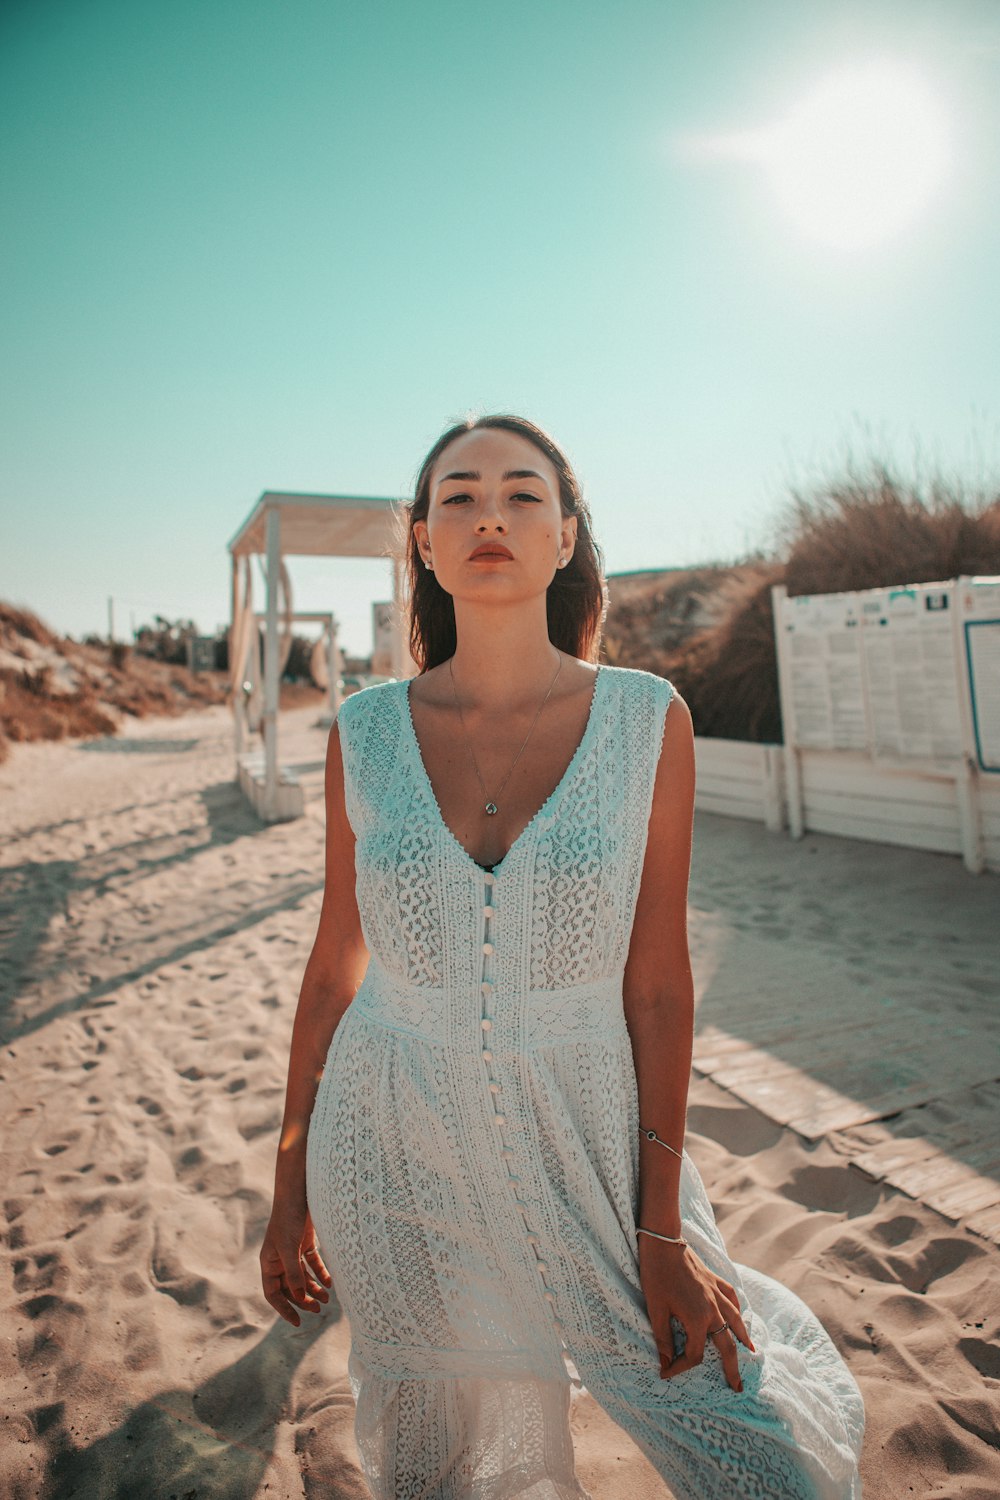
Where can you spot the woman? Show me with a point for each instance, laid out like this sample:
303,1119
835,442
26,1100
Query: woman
483,1133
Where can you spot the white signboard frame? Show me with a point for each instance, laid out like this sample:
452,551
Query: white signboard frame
978,618
909,677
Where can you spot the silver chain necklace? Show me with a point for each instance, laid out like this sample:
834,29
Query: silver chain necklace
491,804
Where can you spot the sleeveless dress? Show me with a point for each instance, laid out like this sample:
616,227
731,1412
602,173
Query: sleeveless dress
472,1163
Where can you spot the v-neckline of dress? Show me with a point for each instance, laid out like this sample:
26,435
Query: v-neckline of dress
546,805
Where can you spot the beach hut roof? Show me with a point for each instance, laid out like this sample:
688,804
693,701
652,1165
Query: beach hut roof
320,525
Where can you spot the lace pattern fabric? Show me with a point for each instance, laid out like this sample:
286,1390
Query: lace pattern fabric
473,1155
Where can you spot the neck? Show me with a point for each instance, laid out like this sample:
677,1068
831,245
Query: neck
504,660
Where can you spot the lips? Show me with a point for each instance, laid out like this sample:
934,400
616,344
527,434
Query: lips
493,550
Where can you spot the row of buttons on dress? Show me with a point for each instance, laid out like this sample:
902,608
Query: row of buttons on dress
499,1118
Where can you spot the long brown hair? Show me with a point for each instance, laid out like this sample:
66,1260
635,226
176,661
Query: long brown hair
577,598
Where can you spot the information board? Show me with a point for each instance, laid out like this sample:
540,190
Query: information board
909,663
878,670
824,655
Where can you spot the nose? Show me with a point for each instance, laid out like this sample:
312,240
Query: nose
497,518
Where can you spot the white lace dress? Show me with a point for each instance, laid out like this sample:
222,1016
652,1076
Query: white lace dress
473,1155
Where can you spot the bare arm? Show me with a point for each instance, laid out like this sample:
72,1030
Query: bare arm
335,969
659,1006
658,985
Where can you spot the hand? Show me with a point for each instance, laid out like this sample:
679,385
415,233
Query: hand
677,1283
291,1267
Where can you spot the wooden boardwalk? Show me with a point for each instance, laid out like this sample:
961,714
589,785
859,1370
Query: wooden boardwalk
852,991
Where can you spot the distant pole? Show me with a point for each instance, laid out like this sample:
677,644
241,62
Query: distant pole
111,620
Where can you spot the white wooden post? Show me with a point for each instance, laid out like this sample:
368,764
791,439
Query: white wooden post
271,665
399,650
970,821
774,807
793,767
235,637
335,667
333,698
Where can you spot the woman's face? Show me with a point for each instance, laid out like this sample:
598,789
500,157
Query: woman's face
490,485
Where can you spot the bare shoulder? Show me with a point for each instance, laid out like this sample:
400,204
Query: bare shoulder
678,737
678,726
673,792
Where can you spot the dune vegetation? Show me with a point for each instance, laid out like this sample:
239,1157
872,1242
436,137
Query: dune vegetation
868,528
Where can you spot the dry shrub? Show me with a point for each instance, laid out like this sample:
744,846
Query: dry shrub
867,529
728,673
91,718
108,681
23,622
25,717
871,529
651,614
37,681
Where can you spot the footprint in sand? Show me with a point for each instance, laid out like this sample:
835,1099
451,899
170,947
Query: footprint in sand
985,1358
56,1335
833,1189
898,1230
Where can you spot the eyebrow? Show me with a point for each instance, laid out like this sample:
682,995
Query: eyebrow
474,474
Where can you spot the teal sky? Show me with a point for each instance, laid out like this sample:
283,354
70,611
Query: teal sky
256,245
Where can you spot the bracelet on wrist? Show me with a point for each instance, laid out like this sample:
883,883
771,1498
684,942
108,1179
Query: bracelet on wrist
670,1239
651,1135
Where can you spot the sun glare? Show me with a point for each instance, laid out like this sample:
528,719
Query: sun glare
857,160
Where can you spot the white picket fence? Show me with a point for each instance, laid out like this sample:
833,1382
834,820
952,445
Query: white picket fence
843,793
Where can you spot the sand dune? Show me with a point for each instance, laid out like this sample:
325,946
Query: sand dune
153,937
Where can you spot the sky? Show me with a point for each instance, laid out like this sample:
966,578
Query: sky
716,249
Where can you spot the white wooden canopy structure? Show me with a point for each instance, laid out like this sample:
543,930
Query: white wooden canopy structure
326,663
280,525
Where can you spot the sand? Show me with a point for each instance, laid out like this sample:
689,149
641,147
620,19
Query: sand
152,939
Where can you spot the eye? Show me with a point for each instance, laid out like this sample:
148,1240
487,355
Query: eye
521,495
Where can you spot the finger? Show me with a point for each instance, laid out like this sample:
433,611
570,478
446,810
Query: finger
733,1314
319,1271
304,1292
725,1342
276,1298
310,1288
738,1326
316,1261
316,1290
280,1292
296,1274
696,1343
691,1356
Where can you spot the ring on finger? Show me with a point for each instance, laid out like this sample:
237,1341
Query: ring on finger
712,1334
